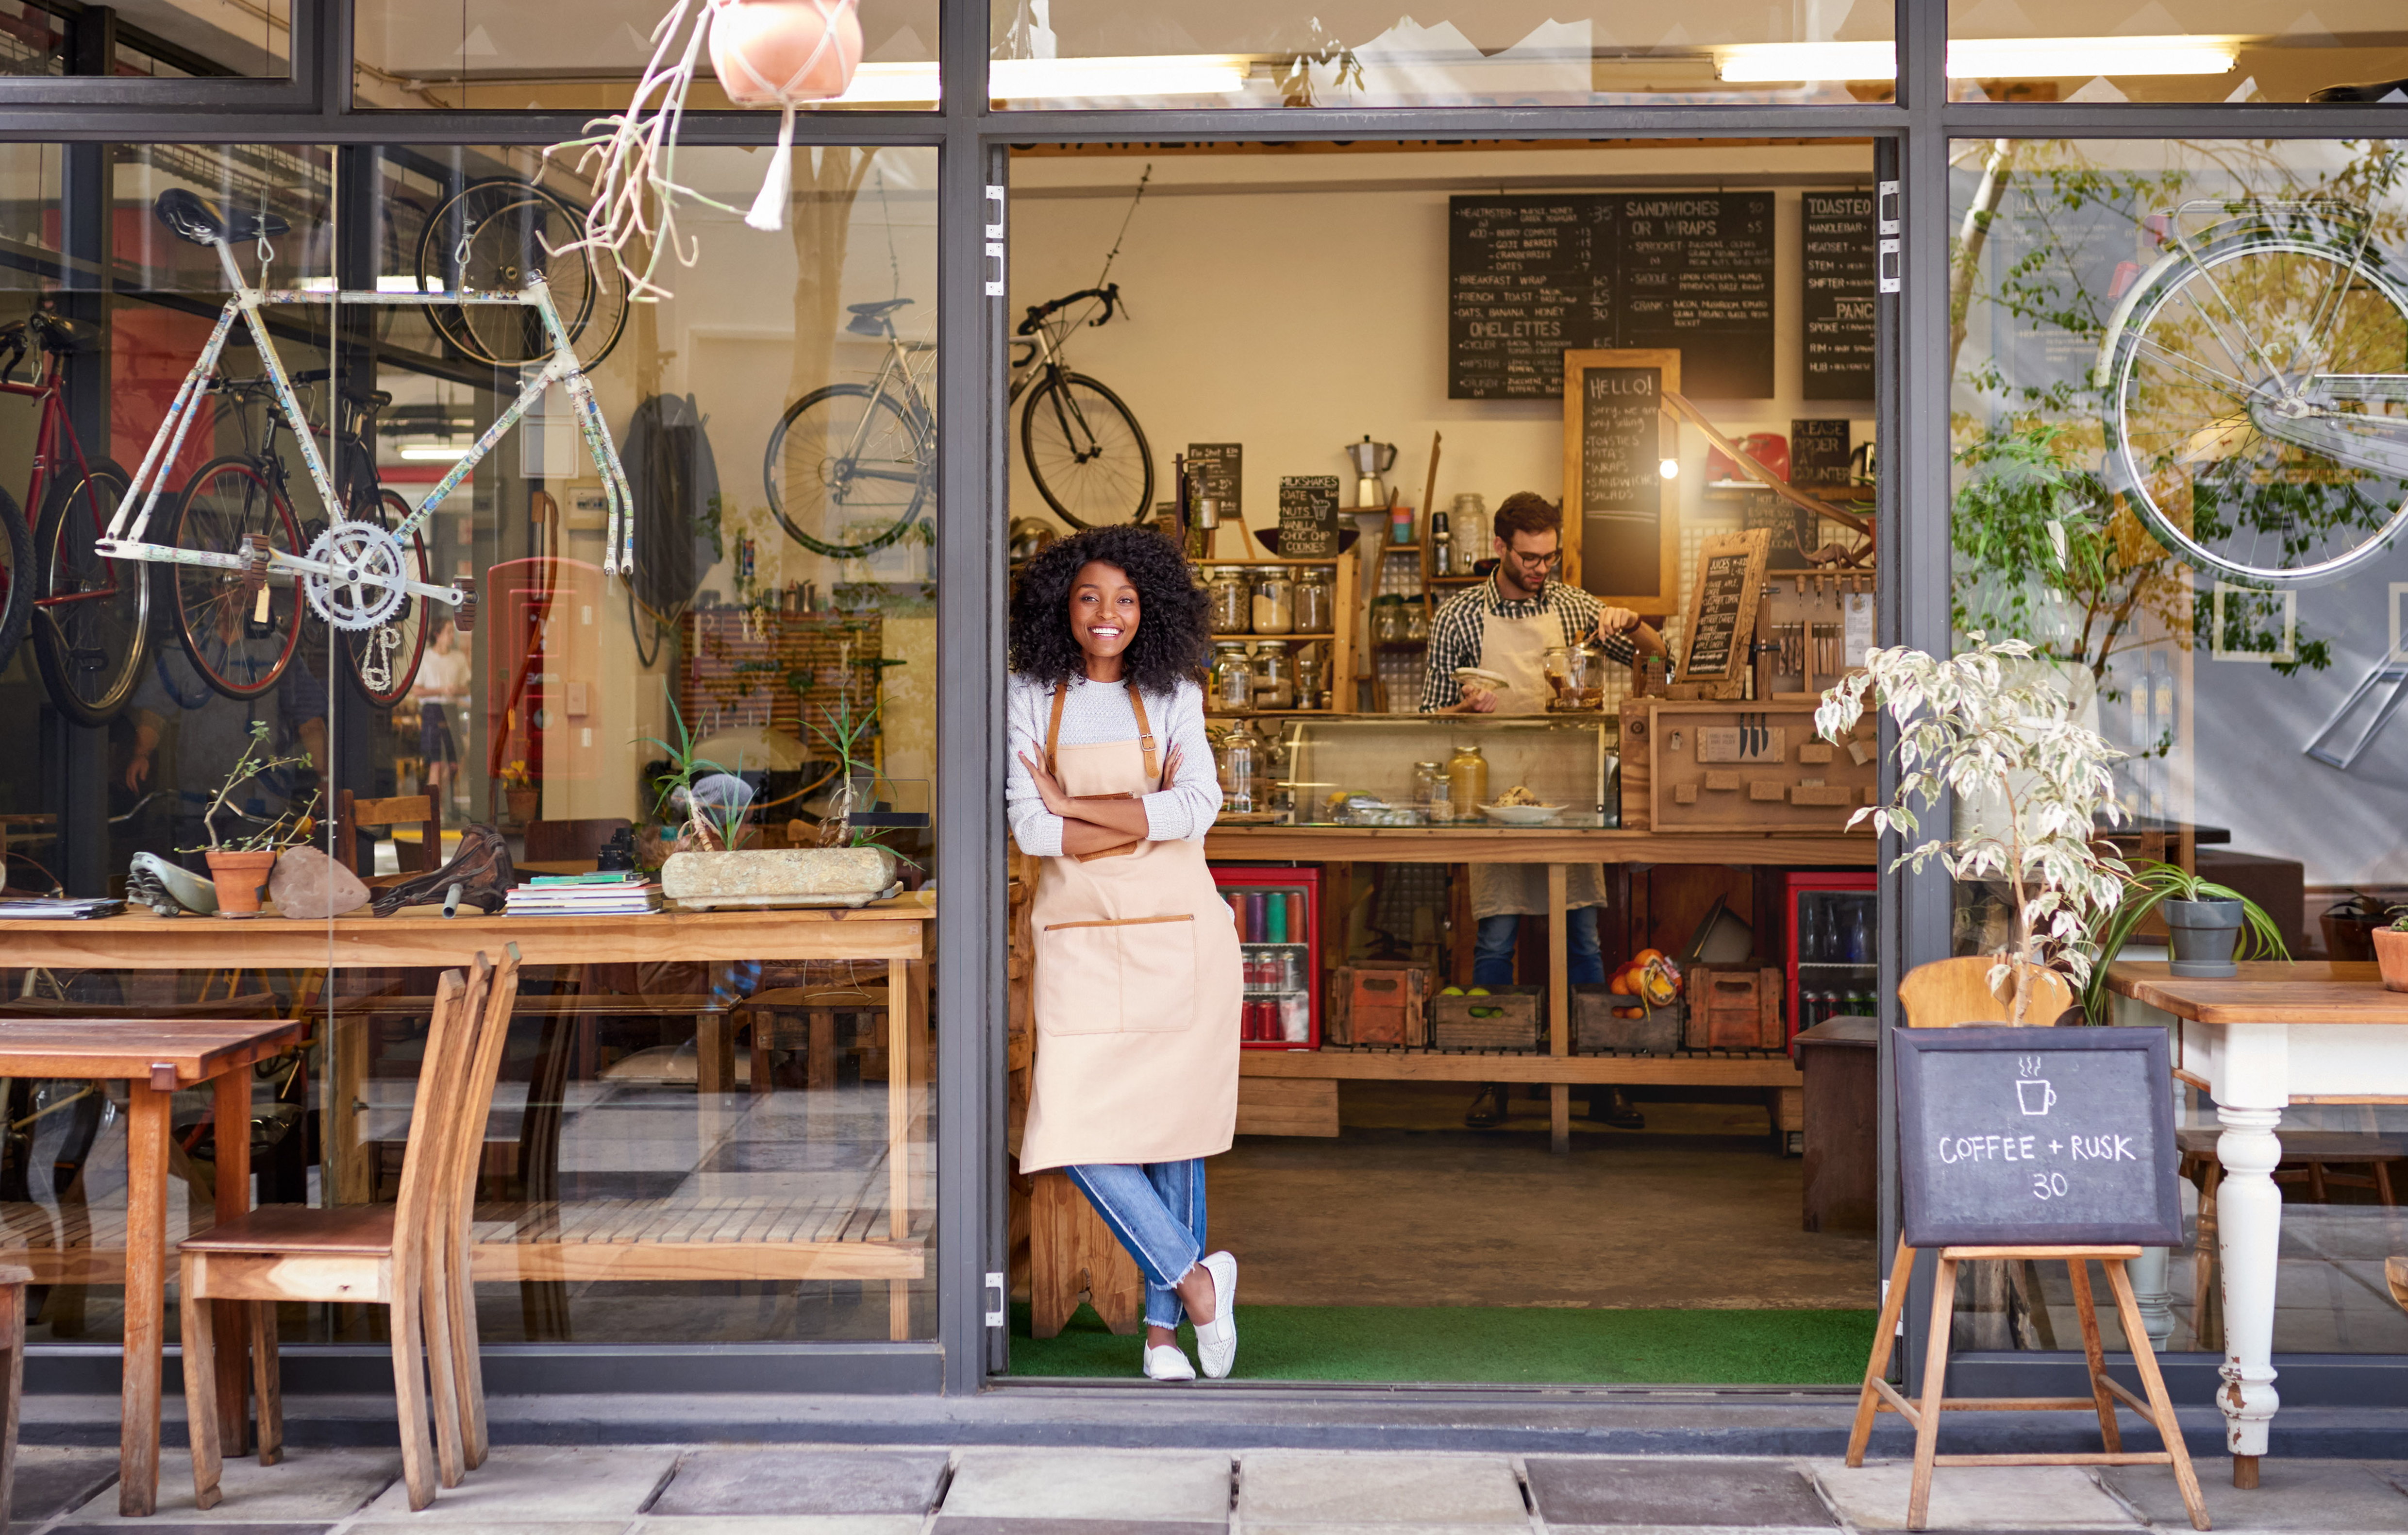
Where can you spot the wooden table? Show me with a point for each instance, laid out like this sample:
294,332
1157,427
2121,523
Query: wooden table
1559,848
2274,1035
154,1059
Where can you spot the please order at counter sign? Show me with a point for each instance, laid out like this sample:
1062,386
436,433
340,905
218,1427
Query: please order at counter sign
2012,1137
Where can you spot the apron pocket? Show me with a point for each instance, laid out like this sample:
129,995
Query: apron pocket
1128,975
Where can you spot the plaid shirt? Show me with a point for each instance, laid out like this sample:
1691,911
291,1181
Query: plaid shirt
1459,626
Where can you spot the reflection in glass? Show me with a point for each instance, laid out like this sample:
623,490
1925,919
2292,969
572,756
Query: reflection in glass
2176,51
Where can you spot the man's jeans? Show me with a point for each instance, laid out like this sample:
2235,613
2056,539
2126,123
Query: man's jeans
1492,957
1156,1209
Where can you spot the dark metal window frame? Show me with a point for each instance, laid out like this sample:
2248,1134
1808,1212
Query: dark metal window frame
1911,138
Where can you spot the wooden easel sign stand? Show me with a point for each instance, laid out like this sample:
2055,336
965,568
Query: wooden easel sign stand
2022,1144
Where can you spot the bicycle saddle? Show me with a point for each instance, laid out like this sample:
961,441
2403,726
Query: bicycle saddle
194,217
2375,91
60,336
879,310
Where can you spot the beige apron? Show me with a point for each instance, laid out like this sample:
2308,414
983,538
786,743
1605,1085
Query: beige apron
1515,648
1136,986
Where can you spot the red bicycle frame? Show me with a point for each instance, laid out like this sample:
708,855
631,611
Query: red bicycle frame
49,385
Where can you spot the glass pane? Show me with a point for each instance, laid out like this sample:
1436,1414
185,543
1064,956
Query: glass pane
166,39
2191,357
1181,54
2176,51
586,55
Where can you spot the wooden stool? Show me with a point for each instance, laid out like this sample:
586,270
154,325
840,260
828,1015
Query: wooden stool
1878,1395
1071,1250
12,1374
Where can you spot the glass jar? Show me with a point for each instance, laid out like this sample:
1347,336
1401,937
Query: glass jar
1240,771
1228,588
1274,676
1416,621
1316,600
1233,678
1466,779
1313,674
1388,619
1274,605
1430,784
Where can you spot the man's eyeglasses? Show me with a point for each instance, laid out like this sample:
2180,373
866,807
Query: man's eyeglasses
1541,562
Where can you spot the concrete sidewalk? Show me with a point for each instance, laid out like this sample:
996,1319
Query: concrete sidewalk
807,1490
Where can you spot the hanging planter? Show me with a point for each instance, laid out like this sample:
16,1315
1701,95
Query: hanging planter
778,53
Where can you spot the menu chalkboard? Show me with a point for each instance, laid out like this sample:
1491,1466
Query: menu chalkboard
1531,277
1218,468
1818,453
1620,524
1724,586
1790,526
1719,619
1836,295
2037,1135
1308,517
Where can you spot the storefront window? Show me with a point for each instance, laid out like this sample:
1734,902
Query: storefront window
1175,54
586,55
2223,601
2176,51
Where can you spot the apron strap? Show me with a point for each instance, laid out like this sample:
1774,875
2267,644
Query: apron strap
1144,730
1053,727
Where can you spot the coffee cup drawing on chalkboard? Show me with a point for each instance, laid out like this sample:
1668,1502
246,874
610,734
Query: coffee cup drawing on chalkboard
2036,1096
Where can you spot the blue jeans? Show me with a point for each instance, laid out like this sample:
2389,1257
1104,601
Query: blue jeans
1156,1210
1492,956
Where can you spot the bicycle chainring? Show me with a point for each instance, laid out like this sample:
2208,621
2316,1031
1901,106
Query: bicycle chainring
369,584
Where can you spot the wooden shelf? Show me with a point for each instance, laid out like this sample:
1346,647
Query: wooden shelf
1249,639
1757,1068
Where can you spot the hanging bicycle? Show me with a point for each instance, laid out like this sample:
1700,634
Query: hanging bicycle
234,584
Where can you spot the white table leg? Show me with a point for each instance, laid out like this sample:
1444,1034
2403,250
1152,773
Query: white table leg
2148,1276
2249,1223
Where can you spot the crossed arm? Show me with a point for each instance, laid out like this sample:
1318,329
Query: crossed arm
1096,824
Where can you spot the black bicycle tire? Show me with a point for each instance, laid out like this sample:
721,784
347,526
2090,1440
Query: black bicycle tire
17,604
606,277
47,651
777,503
300,603
638,615
1027,447
396,510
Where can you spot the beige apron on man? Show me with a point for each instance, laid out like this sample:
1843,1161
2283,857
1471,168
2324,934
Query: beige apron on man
1515,648
1136,988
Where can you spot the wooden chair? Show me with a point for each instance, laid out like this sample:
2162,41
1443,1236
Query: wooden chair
567,842
425,812
12,1376
1948,994
400,1256
765,1016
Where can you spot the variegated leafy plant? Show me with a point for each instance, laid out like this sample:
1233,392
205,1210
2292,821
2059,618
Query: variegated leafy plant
1993,728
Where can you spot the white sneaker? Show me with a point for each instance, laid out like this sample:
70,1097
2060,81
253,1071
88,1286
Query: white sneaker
1216,1342
1165,1363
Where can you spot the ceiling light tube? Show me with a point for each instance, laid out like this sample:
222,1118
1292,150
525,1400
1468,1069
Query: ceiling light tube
1025,80
433,452
1982,58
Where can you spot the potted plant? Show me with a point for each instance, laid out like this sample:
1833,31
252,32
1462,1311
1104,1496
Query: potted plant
519,792
1990,728
2205,920
2391,950
240,866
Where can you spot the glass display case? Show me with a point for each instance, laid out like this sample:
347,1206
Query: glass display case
1359,769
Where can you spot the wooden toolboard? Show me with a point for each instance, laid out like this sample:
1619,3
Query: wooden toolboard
1741,765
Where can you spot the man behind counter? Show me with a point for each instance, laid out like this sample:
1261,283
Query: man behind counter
1506,625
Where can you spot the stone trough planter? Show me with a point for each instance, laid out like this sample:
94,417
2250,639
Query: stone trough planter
756,878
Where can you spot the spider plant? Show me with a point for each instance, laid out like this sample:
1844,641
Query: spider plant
2148,885
718,826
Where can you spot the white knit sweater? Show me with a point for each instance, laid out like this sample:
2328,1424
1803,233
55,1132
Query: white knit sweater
1099,711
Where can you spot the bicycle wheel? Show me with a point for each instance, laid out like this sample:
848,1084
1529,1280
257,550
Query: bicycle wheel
16,577
2258,408
1086,453
92,630
487,238
848,470
240,639
383,661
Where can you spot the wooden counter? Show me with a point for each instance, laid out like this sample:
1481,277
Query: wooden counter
1566,845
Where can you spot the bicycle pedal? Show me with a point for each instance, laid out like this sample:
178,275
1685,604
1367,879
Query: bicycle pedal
254,569
465,620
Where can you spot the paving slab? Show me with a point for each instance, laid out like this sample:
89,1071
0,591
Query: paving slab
790,1482
2291,1495
1122,1486
976,1526
188,1528
1973,1498
1254,1527
307,1487
521,1485
494,1527
792,1524
52,1479
1302,1486
1674,1492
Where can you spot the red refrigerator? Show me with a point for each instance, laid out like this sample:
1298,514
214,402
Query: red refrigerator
1834,921
1279,935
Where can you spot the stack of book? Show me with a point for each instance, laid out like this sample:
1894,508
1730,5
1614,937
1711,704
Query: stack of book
610,895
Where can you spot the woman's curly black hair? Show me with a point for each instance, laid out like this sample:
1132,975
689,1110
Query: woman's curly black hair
1173,628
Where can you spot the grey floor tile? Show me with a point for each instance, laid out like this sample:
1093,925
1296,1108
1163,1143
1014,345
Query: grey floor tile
1110,1485
492,1527
1256,1526
189,1529
1555,1528
2291,1495
782,1482
1973,1498
793,1524
522,1486
1080,1527
308,1485
51,1480
1297,1487
1675,1491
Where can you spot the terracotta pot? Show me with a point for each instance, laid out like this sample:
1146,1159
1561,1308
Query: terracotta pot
769,53
2392,952
241,879
525,803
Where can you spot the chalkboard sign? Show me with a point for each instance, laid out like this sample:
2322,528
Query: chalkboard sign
1723,587
2037,1135
1622,531
1218,468
1789,526
1308,517
1836,296
1818,453
1529,278
1721,613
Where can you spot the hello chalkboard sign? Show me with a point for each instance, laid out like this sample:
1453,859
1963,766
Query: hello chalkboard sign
2037,1137
1622,529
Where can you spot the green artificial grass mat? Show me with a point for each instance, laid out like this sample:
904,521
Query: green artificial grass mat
1491,1344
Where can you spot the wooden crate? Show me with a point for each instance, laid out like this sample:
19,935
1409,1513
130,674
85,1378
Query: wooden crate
1515,1026
1287,1106
1732,1007
1379,1002
785,670
1597,1031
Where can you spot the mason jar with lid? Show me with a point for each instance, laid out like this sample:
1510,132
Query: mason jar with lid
1388,618
1316,602
1274,606
1416,620
1233,676
1274,676
1240,771
1467,777
1228,589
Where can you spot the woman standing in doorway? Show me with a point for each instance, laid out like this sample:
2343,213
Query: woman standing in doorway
1136,984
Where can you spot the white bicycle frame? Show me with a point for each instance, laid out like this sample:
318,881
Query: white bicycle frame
125,540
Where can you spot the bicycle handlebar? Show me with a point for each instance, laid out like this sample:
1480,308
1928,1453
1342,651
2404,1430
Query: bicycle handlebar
1040,313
